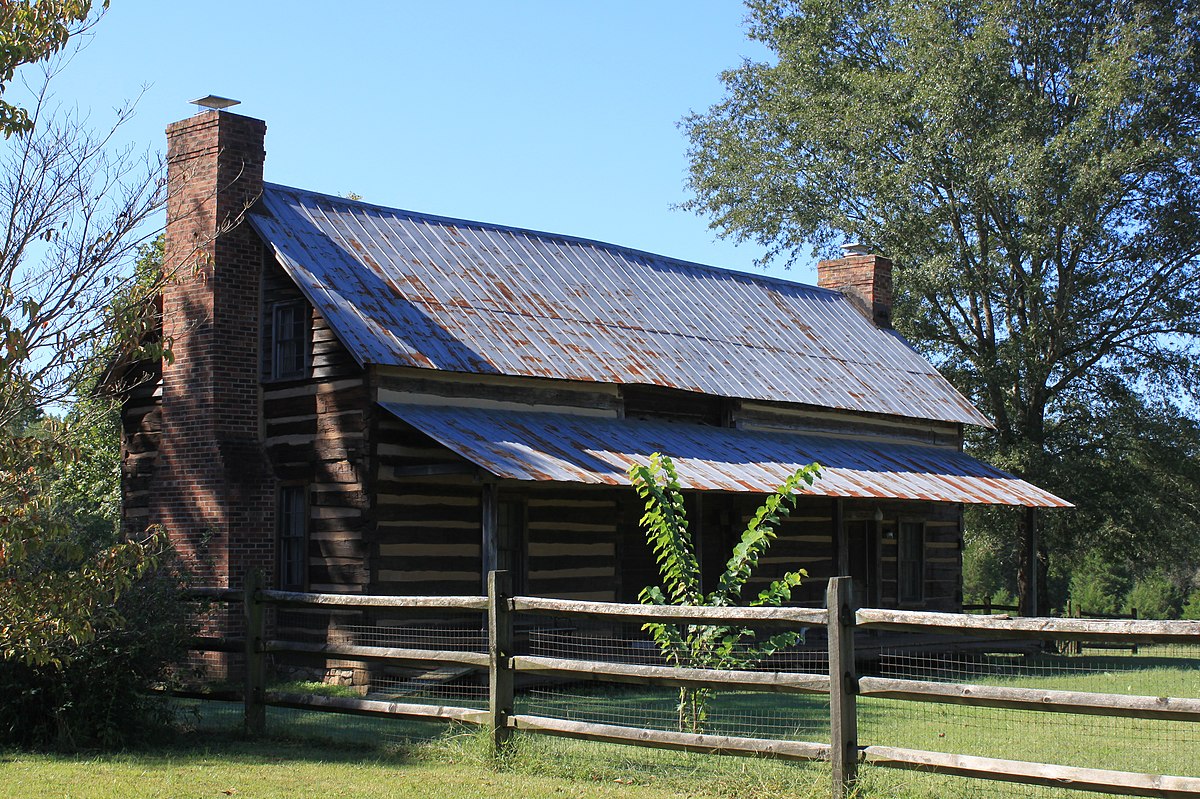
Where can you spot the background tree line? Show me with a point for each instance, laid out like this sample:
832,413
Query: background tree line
1032,170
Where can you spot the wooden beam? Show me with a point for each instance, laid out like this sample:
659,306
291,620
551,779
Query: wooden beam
841,547
501,680
1030,600
725,679
663,739
1124,783
435,469
787,617
489,525
218,594
440,603
1008,627
843,687
374,707
353,652
256,663
1037,699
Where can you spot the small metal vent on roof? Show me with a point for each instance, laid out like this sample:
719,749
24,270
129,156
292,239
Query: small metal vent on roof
215,102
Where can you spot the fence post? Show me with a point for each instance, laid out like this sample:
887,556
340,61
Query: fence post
500,649
843,685
256,662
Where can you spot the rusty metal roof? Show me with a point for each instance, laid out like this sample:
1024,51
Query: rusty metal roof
559,447
409,289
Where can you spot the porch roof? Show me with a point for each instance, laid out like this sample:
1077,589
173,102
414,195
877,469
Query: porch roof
573,448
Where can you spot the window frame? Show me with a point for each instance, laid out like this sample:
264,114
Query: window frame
297,328
291,549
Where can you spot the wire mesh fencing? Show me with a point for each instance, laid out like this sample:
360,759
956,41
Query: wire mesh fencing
575,648
1154,746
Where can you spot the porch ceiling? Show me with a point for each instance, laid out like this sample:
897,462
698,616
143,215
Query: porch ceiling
587,449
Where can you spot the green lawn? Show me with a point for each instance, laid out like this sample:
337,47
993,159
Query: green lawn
330,755
266,770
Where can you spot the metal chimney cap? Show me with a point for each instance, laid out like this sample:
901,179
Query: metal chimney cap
215,102
856,248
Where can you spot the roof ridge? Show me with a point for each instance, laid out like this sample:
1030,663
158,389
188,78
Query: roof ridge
566,237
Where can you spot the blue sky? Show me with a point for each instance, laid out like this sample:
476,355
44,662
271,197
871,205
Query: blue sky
558,116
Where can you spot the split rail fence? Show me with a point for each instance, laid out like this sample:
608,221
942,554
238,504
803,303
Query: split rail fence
842,684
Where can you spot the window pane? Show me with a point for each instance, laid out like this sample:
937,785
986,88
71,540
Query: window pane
292,541
288,334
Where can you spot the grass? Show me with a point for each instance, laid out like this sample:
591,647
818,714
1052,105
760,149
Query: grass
270,769
329,755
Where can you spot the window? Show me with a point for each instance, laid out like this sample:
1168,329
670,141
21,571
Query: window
289,326
910,561
292,547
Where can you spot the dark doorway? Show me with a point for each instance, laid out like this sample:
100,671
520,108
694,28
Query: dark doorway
862,549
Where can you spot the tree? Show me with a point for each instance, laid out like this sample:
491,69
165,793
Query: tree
1032,169
32,31
75,212
699,645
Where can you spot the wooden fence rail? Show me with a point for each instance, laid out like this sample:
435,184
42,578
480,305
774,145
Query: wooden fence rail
843,685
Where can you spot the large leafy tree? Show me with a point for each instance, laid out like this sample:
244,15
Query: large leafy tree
73,215
31,31
1032,168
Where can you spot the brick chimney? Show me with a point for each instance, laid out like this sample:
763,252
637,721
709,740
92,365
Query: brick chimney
865,278
213,491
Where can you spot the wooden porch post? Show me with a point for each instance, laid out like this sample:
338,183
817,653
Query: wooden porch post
841,547
489,508
1029,602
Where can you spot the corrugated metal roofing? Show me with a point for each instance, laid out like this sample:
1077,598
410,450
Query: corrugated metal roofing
559,447
409,289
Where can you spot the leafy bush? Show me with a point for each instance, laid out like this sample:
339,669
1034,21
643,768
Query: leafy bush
94,693
1154,596
706,645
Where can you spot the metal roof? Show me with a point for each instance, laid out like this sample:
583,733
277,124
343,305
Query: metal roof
559,447
409,289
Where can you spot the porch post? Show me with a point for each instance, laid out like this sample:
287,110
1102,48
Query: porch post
490,527
841,547
1029,602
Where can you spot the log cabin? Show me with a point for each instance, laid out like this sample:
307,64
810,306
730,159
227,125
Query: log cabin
367,399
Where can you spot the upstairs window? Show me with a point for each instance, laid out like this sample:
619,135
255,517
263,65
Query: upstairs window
289,340
292,538
910,562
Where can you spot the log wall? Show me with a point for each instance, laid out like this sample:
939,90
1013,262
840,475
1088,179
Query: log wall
141,432
314,432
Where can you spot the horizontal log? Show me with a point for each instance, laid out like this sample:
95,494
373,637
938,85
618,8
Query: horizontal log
1125,783
662,739
219,594
210,643
351,651
375,707
184,693
1124,705
1007,627
686,614
360,601
725,679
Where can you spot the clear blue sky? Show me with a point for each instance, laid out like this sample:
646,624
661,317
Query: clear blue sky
558,116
